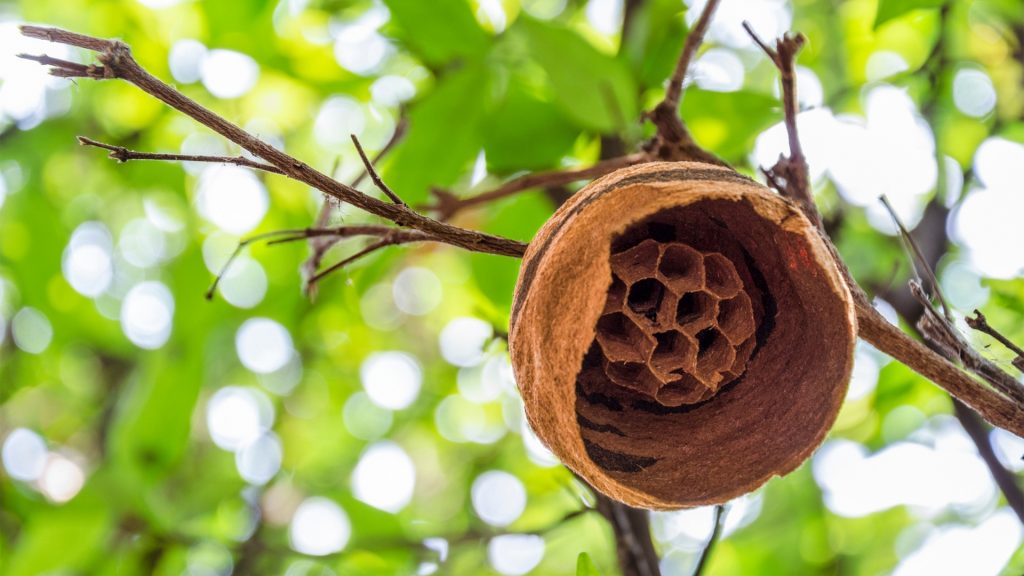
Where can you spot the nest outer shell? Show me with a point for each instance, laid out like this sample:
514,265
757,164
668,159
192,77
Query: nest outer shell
794,386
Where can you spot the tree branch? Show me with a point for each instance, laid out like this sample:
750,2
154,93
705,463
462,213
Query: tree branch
117,62
790,175
1005,480
446,204
320,246
999,407
980,323
395,235
632,529
673,140
377,180
716,533
122,154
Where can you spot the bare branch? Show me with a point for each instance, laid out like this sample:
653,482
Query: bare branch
320,246
1003,406
950,342
373,173
980,323
284,236
1005,479
117,62
917,260
395,238
674,141
716,533
631,526
790,175
122,154
996,408
447,204
674,92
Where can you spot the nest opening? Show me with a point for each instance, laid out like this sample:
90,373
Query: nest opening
703,308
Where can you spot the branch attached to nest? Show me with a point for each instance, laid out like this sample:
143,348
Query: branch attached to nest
446,204
997,400
116,61
673,140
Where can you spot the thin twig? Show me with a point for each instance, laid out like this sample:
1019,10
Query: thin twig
674,92
716,532
447,204
917,260
122,154
791,174
292,235
980,323
373,173
399,237
320,246
117,62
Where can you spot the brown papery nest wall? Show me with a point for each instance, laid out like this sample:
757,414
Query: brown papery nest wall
680,335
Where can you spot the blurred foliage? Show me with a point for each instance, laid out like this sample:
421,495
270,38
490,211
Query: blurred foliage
491,88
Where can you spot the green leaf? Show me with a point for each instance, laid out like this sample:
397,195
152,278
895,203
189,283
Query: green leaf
890,9
444,135
728,122
594,89
440,30
67,537
526,133
585,566
655,39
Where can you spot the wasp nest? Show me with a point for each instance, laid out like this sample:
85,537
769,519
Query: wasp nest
680,334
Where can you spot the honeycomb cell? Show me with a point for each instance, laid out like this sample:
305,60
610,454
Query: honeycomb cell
638,262
675,352
696,310
634,375
682,268
686,390
714,353
720,276
616,296
736,318
622,340
645,298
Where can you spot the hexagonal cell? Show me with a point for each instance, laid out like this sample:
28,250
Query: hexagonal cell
622,340
616,296
721,278
714,352
682,268
739,365
696,310
675,351
633,375
645,298
736,318
687,390
638,262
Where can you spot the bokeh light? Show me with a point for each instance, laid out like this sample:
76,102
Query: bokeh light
319,527
499,498
391,379
147,314
384,477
